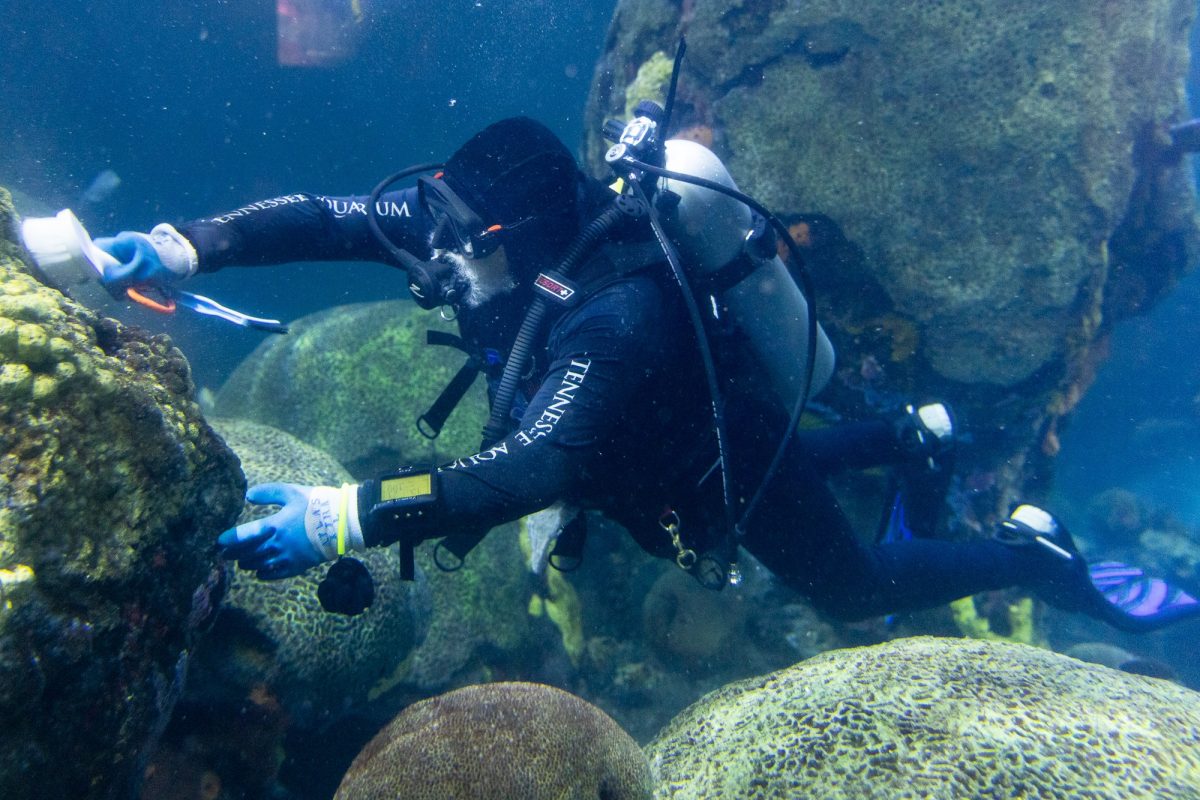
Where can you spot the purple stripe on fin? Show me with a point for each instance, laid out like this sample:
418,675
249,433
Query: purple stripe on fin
1182,598
1114,570
1152,601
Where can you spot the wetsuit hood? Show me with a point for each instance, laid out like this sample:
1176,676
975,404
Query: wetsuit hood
518,174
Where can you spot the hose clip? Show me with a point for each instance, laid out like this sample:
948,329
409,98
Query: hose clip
685,557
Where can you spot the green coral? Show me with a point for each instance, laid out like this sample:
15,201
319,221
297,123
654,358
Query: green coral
651,82
351,381
929,717
688,624
1020,622
111,493
477,616
948,94
318,664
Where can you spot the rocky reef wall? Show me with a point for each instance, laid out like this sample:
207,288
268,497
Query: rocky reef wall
112,492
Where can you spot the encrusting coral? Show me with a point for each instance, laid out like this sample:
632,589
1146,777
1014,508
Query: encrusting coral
112,491
930,717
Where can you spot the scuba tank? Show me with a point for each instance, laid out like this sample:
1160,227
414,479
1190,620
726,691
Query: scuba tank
697,212
714,233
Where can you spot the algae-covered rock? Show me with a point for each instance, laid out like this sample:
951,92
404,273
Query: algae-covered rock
929,717
500,740
478,619
687,623
352,381
980,190
318,664
113,491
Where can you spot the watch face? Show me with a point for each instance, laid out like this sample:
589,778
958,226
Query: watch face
406,487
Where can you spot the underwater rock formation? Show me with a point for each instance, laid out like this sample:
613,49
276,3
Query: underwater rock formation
981,191
687,623
1114,657
1117,515
114,490
1170,552
478,620
319,665
498,740
928,717
351,381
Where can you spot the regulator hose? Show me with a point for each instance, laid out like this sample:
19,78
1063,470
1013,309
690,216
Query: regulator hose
518,355
808,291
401,256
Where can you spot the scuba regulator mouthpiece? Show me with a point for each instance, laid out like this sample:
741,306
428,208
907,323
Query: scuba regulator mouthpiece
433,283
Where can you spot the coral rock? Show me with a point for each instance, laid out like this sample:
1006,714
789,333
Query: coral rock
319,664
351,381
522,741
112,492
929,717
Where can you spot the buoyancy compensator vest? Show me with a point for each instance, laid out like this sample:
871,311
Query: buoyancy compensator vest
718,243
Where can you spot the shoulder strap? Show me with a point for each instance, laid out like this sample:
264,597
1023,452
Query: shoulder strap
430,423
617,260
610,263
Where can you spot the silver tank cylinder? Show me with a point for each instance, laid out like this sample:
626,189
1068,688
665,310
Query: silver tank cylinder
709,229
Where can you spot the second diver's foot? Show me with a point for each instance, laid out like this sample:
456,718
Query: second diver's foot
1055,571
1030,525
922,479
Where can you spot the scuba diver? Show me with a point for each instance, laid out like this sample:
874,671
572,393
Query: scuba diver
606,395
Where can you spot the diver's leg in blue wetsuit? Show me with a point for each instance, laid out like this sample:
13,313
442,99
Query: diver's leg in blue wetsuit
922,465
1122,595
801,534
850,446
908,435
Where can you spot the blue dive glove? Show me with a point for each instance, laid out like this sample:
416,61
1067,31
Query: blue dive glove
316,524
161,257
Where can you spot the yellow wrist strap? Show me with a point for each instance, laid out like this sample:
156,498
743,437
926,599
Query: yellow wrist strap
342,514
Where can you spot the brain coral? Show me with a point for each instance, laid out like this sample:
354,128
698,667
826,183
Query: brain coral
523,741
317,663
112,491
927,717
352,381
686,622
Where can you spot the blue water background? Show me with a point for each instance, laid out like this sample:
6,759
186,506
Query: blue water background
1138,427
187,104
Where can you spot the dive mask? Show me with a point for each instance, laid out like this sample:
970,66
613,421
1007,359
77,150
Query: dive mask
456,225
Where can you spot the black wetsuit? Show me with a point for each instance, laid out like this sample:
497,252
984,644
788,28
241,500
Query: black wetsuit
616,418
